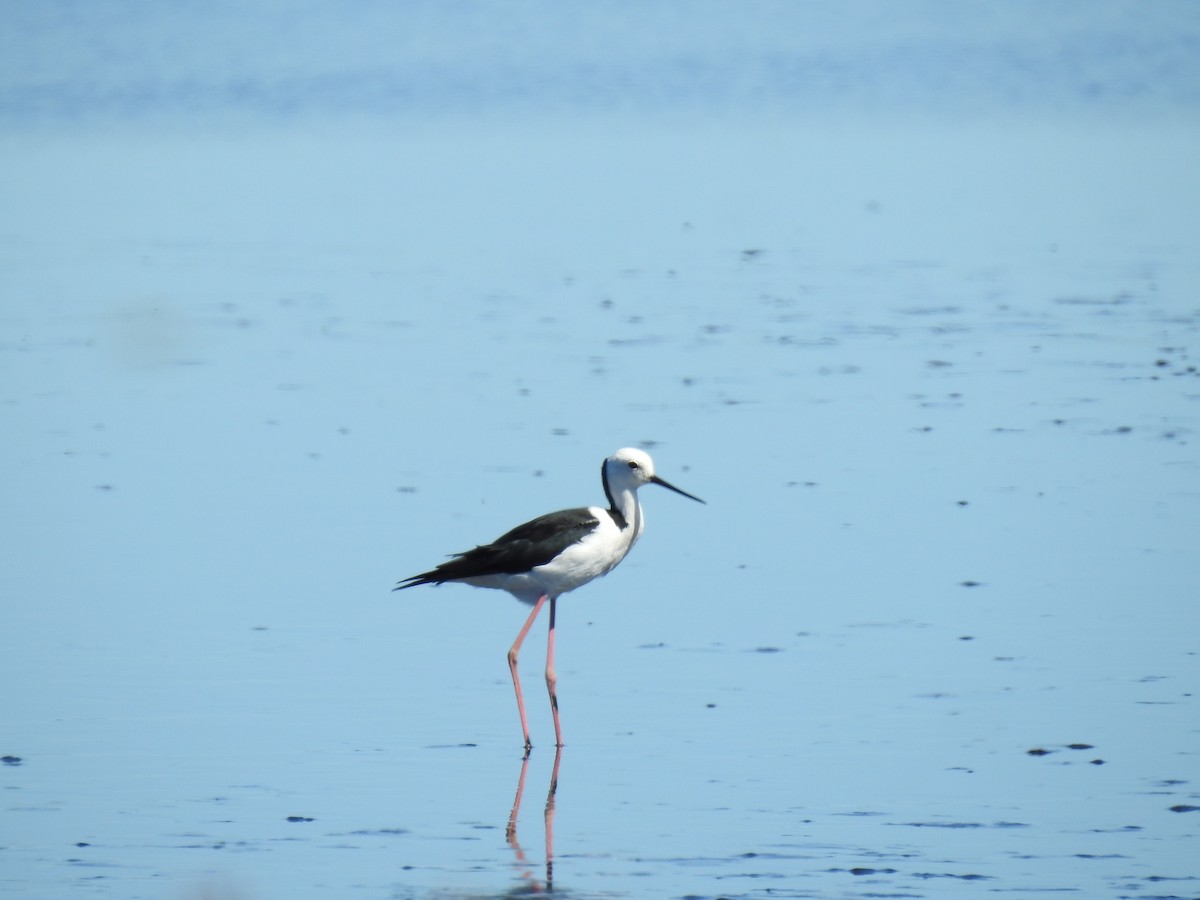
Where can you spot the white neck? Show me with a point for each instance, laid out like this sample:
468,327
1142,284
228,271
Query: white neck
623,500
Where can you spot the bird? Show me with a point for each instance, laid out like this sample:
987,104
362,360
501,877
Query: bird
546,557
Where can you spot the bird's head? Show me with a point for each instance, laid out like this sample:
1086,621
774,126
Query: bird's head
630,468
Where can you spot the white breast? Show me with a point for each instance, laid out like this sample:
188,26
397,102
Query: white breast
598,553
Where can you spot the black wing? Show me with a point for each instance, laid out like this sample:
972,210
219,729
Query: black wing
533,544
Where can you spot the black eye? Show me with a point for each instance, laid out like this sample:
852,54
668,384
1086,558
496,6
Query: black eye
632,464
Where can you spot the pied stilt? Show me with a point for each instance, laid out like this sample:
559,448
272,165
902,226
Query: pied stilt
555,553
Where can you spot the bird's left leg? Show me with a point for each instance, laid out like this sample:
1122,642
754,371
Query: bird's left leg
552,677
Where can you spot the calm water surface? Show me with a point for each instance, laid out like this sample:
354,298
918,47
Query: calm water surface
935,372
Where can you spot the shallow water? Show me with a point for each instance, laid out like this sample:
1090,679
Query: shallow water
934,634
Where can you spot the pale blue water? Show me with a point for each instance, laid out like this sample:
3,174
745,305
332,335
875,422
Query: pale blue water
296,301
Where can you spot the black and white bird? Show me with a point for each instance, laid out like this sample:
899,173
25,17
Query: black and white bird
555,553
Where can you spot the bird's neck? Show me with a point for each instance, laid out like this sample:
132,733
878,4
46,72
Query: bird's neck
623,506
626,511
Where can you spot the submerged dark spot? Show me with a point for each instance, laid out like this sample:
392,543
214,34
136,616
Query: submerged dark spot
300,819
968,877
380,831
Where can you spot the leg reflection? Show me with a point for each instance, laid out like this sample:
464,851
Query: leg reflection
550,819
526,871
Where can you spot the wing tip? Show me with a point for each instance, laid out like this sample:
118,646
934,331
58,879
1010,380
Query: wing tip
415,581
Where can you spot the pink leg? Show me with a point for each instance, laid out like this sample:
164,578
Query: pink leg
512,665
552,678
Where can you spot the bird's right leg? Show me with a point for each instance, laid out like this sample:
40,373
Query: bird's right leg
512,667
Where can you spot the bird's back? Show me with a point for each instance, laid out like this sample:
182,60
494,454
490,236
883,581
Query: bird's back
524,548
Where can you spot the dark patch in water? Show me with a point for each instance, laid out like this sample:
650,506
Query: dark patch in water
1118,300
957,825
300,819
969,877
380,831
1042,751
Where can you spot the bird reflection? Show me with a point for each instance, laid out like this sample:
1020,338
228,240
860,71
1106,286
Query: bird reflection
532,884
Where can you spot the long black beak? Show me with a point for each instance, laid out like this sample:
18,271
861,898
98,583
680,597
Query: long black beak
671,487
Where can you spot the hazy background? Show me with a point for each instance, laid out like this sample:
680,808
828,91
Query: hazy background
296,299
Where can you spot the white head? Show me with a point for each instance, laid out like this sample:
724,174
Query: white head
628,469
